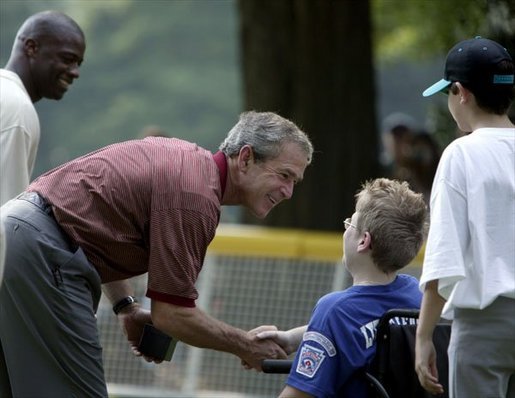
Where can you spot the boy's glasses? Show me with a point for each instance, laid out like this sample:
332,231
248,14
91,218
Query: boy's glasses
347,224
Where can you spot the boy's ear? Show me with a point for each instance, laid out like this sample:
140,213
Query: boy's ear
463,92
365,242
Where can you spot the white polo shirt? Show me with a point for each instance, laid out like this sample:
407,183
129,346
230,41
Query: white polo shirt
471,242
19,136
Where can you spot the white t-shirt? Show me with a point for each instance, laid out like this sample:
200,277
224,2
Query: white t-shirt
471,243
19,136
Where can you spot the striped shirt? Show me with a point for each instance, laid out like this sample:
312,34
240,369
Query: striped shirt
149,205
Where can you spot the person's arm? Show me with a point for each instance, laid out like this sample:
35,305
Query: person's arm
194,327
115,291
289,340
291,392
425,353
132,317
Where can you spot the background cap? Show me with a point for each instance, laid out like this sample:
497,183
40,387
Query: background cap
473,62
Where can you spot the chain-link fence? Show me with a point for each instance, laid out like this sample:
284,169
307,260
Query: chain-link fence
277,281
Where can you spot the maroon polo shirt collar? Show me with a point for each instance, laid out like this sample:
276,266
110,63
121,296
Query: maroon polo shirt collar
221,162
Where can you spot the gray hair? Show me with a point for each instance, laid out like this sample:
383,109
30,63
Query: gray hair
265,132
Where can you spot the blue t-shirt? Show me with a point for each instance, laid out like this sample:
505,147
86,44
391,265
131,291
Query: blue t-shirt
340,339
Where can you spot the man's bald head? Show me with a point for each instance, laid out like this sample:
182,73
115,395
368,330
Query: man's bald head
48,24
47,53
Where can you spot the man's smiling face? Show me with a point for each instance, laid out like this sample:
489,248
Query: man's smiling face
270,182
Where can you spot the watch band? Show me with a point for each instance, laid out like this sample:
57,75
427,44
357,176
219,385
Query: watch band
124,302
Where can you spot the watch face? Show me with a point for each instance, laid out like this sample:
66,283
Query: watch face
123,303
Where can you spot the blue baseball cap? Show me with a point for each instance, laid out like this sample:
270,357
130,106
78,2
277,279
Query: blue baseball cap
474,63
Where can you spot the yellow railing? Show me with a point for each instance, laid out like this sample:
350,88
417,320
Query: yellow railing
258,241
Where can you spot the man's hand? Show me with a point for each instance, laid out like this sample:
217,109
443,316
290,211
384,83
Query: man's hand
259,350
288,340
252,333
132,320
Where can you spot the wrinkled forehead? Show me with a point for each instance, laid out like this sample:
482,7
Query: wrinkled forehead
295,149
293,159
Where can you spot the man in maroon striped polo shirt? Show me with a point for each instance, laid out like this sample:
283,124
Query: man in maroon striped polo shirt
140,206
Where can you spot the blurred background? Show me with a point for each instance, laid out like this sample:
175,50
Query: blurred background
350,73
336,68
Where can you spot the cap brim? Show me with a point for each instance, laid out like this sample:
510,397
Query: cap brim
438,86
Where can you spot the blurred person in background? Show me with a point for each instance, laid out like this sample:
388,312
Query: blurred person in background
421,163
469,264
383,235
409,153
397,131
142,206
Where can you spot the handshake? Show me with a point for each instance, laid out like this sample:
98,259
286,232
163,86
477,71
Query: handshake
281,343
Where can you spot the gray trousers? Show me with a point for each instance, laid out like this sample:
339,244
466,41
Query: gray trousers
482,352
49,344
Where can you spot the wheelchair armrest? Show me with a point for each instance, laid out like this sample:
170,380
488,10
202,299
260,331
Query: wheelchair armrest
276,365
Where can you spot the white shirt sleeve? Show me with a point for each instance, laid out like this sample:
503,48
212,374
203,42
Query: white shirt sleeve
17,155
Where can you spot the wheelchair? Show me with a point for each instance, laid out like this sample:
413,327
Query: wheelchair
392,371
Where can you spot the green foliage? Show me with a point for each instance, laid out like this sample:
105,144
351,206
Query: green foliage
422,28
174,63
167,63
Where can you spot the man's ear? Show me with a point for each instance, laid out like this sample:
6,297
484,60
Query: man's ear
365,242
31,47
245,156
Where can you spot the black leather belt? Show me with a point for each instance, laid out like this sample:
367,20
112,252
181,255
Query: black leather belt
36,199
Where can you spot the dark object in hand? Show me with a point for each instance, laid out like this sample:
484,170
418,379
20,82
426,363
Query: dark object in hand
156,344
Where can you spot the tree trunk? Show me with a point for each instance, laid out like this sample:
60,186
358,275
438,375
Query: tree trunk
501,15
311,61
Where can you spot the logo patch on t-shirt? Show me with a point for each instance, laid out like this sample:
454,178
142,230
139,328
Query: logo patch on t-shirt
309,360
322,340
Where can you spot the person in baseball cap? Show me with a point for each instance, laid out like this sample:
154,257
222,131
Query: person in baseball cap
476,64
469,266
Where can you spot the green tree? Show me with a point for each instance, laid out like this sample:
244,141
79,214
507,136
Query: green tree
176,64
167,63
311,61
422,29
